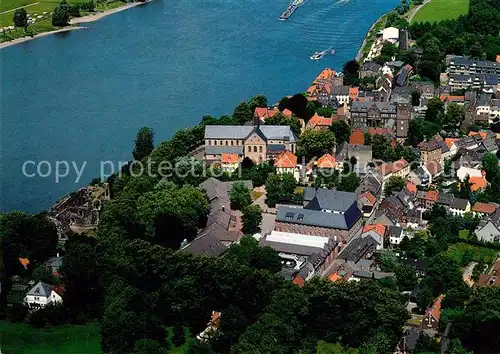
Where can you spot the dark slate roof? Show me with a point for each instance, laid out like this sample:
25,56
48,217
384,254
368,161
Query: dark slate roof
459,203
384,107
340,90
218,150
309,193
41,289
54,262
318,218
357,248
332,199
243,131
370,66
445,199
483,100
417,263
362,274
371,184
410,338
205,245
394,231
276,148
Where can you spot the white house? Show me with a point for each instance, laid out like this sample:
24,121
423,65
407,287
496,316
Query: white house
462,172
390,33
42,294
459,206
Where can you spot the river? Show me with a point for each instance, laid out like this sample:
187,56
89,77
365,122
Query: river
81,96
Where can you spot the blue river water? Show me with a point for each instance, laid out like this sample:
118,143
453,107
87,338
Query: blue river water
81,96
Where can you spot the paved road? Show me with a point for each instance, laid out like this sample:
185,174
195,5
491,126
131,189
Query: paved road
467,274
415,10
20,7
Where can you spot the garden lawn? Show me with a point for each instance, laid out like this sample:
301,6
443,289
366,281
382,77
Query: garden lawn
75,339
464,254
440,10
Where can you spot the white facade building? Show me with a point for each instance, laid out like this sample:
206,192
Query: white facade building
42,294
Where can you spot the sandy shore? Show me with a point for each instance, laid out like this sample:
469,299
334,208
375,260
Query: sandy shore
74,21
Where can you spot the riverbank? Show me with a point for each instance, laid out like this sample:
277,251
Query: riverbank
73,24
370,36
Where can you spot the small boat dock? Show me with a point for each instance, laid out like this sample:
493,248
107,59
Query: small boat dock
291,9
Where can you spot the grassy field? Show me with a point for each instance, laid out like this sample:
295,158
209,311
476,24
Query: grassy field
24,339
464,253
439,10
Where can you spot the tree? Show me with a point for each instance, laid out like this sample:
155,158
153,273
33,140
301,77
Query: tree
20,18
251,218
415,98
148,346
143,143
447,169
349,183
81,273
279,188
60,17
490,165
394,184
406,277
454,115
240,196
315,143
341,130
43,273
280,119
257,173
243,113
171,214
257,101
351,73
324,111
249,253
435,110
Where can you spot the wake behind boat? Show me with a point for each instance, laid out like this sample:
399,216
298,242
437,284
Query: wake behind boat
319,55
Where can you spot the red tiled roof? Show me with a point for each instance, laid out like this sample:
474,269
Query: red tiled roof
378,228
393,167
317,120
299,281
285,160
379,131
326,161
287,113
371,198
435,309
357,137
450,141
432,195
264,112
486,208
477,183
445,97
229,158
335,277
482,134
411,187
433,167
498,58
353,92
326,74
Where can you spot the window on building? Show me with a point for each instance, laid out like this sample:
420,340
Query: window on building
249,149
37,298
227,142
255,149
215,142
210,142
260,149
232,142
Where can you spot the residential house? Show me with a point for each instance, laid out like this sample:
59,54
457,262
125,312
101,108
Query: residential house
254,142
408,341
420,177
286,162
430,151
223,226
492,278
318,122
229,162
393,115
426,89
368,202
400,168
340,94
420,265
43,294
361,153
483,209
262,113
377,232
357,137
54,264
477,183
485,82
459,206
320,251
463,172
404,75
395,234
392,210
371,182
433,314
212,327
488,229
369,69
465,65
427,199
326,212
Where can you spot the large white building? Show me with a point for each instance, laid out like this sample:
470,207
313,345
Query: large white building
42,294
